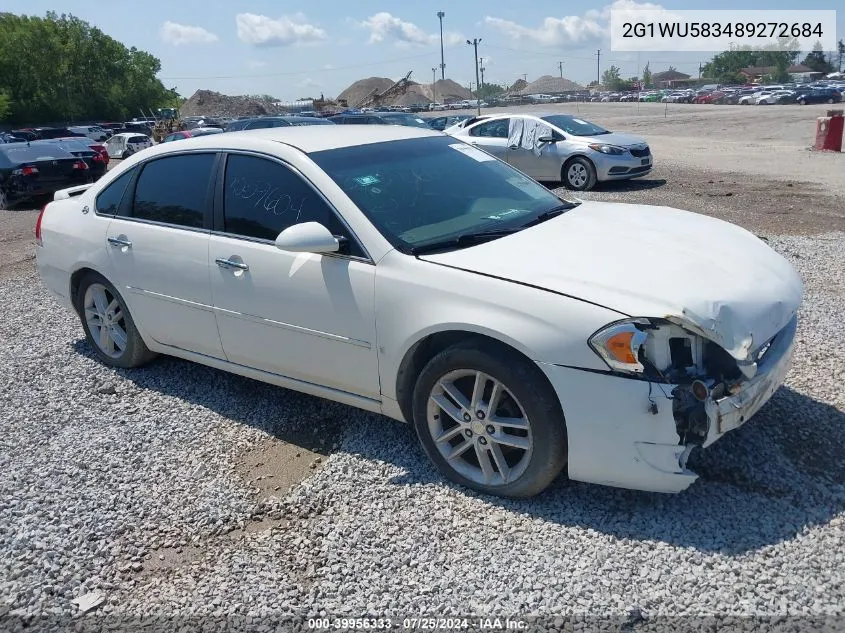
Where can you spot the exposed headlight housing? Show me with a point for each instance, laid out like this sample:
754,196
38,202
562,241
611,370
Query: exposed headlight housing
604,148
619,345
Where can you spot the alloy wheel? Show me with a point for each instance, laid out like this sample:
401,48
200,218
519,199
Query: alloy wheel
479,427
577,175
105,319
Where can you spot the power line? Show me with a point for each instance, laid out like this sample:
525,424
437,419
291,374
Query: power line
304,72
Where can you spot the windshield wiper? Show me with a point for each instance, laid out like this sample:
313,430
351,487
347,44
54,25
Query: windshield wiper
465,239
551,213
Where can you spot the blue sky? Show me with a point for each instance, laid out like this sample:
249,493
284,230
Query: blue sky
292,50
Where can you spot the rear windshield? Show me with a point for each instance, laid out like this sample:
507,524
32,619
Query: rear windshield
138,139
17,154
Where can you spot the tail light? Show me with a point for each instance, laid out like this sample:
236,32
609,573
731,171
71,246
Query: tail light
29,170
97,157
38,226
80,164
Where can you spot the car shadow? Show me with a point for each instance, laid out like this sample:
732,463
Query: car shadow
611,186
767,482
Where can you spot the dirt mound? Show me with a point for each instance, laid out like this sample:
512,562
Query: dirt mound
518,85
446,89
360,89
548,84
209,103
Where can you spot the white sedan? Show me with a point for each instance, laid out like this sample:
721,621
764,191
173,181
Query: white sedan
404,272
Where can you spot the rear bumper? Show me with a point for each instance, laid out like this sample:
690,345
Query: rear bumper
614,440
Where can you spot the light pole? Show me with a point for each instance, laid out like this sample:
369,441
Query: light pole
434,85
441,15
481,85
474,44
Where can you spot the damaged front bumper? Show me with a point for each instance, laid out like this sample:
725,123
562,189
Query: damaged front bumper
622,431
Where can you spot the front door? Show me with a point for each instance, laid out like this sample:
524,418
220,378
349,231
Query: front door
159,252
302,315
491,136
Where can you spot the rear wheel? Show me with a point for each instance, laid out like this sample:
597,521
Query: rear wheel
108,326
489,420
802,101
830,100
579,174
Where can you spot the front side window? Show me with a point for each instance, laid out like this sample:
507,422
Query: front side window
425,190
498,128
108,202
262,198
174,190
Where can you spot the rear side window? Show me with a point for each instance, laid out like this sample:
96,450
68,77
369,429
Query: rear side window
108,202
174,190
258,125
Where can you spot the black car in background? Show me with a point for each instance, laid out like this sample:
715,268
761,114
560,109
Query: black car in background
819,95
54,132
379,118
81,149
259,123
31,170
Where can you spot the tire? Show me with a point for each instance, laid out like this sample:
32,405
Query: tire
578,174
802,101
830,101
525,395
92,311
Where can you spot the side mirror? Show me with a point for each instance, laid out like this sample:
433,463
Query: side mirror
550,139
308,237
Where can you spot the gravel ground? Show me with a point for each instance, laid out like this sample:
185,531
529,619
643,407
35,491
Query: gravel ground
132,485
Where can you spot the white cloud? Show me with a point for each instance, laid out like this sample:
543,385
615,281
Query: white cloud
259,30
309,83
571,31
257,64
178,34
387,27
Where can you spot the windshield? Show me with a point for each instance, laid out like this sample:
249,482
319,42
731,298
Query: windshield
574,126
426,190
404,119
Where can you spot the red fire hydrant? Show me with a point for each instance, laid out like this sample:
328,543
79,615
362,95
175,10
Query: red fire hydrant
829,131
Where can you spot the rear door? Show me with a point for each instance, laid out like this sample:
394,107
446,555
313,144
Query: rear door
158,248
491,136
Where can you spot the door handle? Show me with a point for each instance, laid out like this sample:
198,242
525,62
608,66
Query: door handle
513,146
231,263
120,241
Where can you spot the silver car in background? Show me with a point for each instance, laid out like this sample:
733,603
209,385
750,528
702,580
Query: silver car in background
560,148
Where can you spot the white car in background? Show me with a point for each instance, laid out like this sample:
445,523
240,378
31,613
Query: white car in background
407,273
94,132
558,148
754,97
126,144
775,97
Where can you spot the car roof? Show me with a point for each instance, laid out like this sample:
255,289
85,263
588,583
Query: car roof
306,138
127,134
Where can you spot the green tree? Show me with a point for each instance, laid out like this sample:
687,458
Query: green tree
725,66
611,79
489,90
817,61
646,76
73,71
5,105
840,47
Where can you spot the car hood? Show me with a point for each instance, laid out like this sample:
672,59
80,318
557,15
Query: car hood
614,138
712,277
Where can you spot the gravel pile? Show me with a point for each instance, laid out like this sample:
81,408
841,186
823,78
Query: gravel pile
123,484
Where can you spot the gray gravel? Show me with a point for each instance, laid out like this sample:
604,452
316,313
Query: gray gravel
124,484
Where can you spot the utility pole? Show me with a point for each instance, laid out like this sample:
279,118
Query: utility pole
434,85
598,67
525,77
699,69
474,44
560,65
481,85
441,15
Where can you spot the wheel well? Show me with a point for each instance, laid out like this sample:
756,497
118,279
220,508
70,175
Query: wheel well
75,280
427,348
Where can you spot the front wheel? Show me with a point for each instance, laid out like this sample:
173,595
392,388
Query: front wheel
803,102
489,420
579,174
108,326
